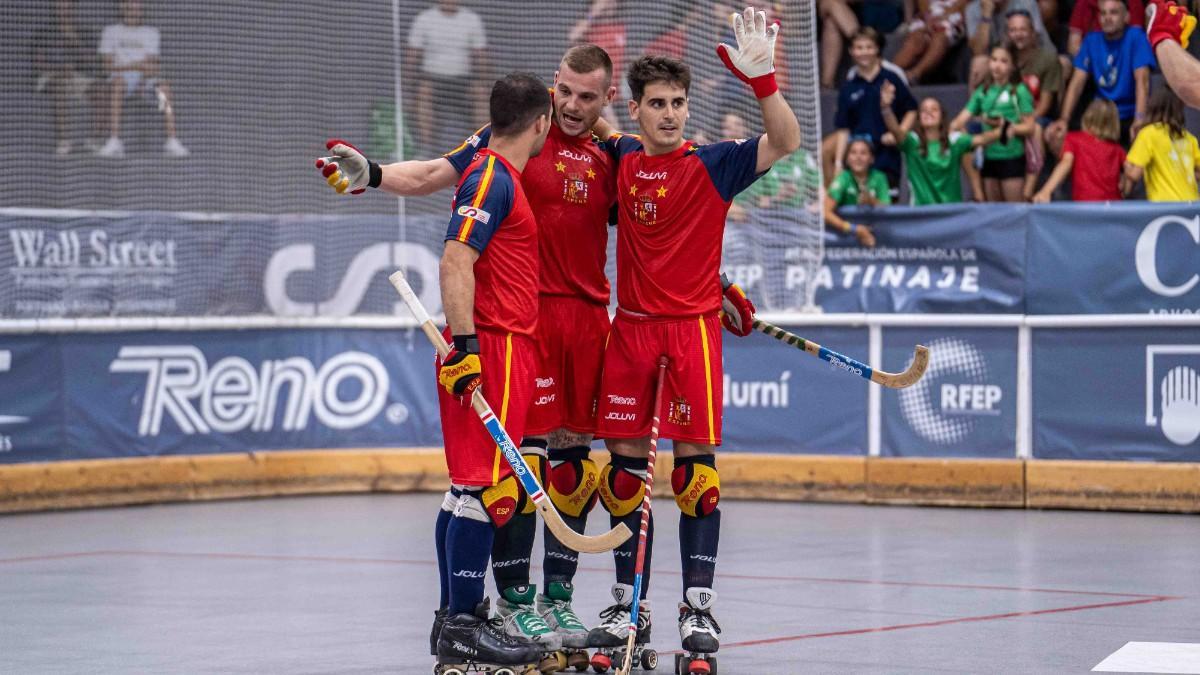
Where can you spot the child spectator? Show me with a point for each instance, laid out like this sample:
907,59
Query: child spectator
858,184
932,154
1164,153
936,28
840,21
1003,102
1092,157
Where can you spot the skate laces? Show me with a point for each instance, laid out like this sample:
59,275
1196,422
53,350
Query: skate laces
495,626
614,614
700,620
563,614
528,620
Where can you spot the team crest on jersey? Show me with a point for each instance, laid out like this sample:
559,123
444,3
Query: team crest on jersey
679,412
645,210
575,189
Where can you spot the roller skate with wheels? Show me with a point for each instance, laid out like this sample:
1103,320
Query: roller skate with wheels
473,643
439,620
612,635
521,619
698,631
555,608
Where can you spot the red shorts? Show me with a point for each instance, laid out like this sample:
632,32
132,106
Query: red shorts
570,343
692,391
472,456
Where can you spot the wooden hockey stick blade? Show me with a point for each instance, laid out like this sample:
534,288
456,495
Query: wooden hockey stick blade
570,538
901,380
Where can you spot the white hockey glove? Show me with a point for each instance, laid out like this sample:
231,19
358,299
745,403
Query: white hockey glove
347,169
753,61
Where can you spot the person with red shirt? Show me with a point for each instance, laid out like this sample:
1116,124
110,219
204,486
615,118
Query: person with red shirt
1085,18
489,285
1092,157
571,189
672,201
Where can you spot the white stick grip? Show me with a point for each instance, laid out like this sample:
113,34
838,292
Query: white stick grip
409,296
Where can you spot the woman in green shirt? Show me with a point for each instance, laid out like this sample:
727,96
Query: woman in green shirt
857,184
1003,102
933,158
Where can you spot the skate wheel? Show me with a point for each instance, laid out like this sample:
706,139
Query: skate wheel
578,660
649,659
700,667
601,662
553,662
504,671
453,671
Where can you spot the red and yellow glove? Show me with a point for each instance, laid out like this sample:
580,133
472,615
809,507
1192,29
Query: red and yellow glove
1168,21
737,312
753,60
461,373
347,169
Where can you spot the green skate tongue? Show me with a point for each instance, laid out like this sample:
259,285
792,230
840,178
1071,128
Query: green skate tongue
520,595
559,591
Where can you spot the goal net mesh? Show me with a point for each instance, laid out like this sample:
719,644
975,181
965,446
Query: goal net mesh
105,215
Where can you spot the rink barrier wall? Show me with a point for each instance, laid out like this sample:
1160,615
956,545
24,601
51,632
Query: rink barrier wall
1007,483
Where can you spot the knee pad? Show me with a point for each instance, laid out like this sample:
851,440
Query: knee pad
623,485
696,484
572,480
534,453
501,501
472,505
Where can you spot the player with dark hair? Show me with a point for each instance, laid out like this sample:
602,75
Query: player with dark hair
571,188
672,198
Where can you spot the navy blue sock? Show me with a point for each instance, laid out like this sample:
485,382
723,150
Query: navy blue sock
439,538
469,545
625,555
699,534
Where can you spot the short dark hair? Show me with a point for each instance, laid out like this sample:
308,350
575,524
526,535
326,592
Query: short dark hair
1166,108
588,57
869,33
517,100
1124,3
651,69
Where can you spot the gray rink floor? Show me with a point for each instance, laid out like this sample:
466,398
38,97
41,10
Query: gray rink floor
347,584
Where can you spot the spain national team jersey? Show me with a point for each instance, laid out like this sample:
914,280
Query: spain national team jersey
570,186
491,215
672,211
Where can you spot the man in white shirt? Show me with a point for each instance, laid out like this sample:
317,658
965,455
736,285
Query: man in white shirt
130,51
446,60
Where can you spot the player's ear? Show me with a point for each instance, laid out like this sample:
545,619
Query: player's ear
633,108
610,95
555,85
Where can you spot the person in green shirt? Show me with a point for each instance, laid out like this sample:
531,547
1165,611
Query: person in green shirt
1002,102
932,155
858,184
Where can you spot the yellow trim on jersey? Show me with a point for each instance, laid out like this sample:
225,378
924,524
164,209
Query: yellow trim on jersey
708,389
464,144
464,230
504,402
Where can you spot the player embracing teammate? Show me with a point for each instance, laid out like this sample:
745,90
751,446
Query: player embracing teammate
672,198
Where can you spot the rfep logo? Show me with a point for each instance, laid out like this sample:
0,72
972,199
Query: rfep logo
233,395
944,405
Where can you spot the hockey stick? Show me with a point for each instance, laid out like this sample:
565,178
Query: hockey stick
892,380
569,538
644,529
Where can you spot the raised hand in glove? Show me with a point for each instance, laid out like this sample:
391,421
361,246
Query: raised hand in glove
461,373
753,60
1168,21
737,312
347,169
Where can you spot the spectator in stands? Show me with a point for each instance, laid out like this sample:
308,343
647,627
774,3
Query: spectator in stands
857,185
1092,158
1169,28
1085,18
131,57
1042,73
67,68
840,21
451,94
936,28
1118,59
987,21
1002,103
932,154
1165,154
858,108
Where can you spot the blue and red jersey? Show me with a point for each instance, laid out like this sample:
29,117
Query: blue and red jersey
672,210
570,186
491,214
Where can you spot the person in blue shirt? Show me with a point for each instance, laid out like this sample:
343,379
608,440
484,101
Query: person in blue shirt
858,113
1118,58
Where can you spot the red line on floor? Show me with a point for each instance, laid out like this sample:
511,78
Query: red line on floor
51,556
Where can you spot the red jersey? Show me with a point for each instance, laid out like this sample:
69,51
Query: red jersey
491,215
1096,175
570,185
671,221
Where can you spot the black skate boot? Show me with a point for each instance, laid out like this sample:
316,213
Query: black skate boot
439,619
698,631
475,643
